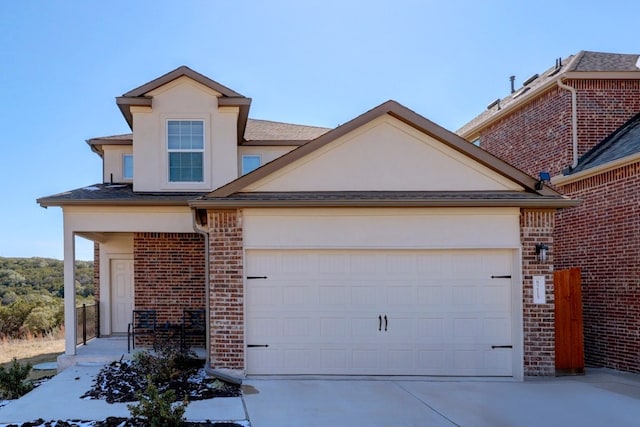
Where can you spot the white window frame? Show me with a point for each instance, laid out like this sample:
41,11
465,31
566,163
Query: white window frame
250,156
184,150
124,166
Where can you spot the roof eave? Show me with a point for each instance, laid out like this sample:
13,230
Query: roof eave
560,180
126,102
50,202
425,203
244,104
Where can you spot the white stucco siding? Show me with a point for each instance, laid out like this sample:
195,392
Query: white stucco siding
116,219
385,155
407,228
113,159
184,99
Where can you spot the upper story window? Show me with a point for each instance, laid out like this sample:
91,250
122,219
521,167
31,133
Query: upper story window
185,143
249,163
127,166
476,142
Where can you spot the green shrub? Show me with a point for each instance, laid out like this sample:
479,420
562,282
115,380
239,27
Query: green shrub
157,409
166,364
13,381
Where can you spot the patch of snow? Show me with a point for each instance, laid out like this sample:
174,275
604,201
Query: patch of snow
91,188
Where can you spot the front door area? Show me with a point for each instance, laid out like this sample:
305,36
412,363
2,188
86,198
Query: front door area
121,294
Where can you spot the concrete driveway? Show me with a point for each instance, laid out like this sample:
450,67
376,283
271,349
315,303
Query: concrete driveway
601,398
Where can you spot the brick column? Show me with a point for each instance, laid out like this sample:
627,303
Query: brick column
226,287
536,226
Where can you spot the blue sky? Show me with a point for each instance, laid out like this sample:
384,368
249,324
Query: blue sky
311,62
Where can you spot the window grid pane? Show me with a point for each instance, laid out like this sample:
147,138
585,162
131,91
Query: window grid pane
185,142
185,167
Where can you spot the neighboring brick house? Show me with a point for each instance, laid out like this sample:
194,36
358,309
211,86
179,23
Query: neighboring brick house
578,120
387,245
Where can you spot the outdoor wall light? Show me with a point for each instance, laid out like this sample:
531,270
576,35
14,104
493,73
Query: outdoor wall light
544,177
542,251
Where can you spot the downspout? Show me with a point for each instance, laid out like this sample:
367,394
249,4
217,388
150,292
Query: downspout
574,120
203,230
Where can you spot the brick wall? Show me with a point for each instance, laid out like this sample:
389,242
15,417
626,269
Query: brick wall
536,226
538,136
169,273
602,236
226,289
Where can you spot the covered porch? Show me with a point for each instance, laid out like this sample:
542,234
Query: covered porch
144,258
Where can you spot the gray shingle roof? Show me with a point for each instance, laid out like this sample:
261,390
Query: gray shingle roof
117,194
623,142
583,61
586,61
265,130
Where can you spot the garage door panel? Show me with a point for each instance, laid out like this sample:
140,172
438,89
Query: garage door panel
323,314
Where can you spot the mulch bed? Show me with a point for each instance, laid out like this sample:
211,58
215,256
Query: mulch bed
120,381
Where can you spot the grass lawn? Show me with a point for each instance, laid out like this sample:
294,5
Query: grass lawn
34,351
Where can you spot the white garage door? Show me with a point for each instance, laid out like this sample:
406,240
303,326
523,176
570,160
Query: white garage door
396,312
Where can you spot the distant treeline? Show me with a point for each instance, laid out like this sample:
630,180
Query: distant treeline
32,292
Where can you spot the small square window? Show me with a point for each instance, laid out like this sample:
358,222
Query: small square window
127,166
250,163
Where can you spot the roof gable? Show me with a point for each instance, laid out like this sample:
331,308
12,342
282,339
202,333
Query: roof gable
177,73
384,154
140,95
437,135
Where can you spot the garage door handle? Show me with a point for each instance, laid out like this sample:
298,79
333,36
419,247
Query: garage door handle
385,322
379,323
501,346
501,277
256,277
257,345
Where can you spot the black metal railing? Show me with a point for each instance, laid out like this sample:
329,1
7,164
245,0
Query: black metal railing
88,322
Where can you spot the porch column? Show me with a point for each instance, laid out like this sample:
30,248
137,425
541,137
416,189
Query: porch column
69,293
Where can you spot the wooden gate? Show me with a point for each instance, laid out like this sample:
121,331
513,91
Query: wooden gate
569,332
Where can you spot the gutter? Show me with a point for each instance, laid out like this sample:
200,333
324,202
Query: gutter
574,120
560,202
200,229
